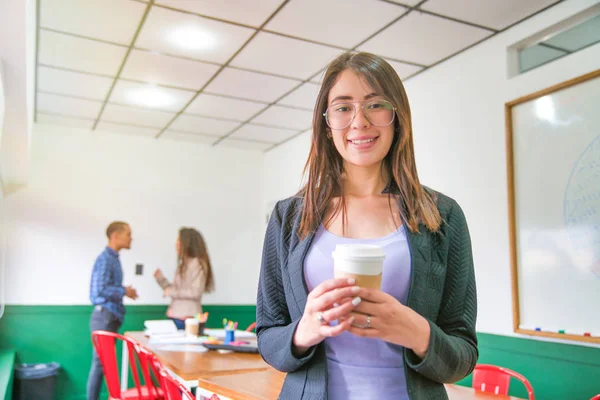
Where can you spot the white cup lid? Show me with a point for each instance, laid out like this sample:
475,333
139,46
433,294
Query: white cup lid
358,252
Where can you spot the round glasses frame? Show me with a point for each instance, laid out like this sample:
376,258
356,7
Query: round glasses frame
355,108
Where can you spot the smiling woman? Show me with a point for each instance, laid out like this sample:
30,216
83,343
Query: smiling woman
418,330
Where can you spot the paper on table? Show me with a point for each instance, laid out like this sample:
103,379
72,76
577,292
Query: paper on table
187,348
176,339
160,326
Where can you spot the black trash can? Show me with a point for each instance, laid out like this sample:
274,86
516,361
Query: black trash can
35,381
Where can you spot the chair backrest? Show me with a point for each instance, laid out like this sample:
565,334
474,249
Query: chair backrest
494,379
151,367
173,389
105,344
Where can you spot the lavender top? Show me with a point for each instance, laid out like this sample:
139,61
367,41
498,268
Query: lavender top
363,368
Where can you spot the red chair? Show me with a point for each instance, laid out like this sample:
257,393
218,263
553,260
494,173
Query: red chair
596,397
105,345
251,327
151,367
174,390
494,379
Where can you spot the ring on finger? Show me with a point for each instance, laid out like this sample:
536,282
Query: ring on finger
321,318
367,324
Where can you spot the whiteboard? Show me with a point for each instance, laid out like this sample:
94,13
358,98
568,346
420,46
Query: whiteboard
556,209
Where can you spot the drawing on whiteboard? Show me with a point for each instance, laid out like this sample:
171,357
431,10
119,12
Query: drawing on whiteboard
582,207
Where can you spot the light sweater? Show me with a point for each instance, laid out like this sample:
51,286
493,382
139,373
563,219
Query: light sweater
186,290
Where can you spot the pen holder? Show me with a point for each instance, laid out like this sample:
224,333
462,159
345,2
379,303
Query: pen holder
229,336
201,326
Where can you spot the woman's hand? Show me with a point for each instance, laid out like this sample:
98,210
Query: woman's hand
381,316
332,300
167,291
158,274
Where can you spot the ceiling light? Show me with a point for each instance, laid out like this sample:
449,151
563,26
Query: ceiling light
192,38
149,96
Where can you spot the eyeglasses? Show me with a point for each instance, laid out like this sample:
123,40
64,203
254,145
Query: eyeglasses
378,112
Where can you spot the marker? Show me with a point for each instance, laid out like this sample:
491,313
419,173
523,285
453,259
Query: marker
538,329
562,331
587,334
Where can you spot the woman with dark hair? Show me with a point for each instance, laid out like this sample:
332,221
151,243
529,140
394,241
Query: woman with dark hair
193,277
337,340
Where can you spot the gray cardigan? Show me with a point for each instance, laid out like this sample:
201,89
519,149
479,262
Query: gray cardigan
442,290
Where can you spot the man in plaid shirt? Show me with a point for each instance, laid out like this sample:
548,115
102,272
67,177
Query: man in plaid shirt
106,294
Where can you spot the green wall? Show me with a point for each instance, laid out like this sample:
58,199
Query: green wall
60,333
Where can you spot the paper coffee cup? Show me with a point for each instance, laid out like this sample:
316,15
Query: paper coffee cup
363,262
191,326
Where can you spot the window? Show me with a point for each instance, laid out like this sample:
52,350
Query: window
567,37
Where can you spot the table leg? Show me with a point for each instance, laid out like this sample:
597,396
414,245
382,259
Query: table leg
124,367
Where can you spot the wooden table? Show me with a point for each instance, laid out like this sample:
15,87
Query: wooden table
266,385
190,366
244,376
260,385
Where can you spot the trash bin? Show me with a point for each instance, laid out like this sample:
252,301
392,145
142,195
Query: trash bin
35,381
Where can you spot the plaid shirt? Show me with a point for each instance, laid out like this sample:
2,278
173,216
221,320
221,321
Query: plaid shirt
106,287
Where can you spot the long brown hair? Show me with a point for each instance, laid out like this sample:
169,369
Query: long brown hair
325,165
192,245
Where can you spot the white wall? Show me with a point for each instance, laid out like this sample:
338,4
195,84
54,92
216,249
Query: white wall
283,169
458,120
80,181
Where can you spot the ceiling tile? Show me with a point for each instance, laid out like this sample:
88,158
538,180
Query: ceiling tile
489,13
79,54
305,96
295,58
285,117
252,13
263,133
72,83
136,116
68,106
64,121
407,2
206,126
150,96
250,85
191,36
339,22
244,144
188,137
161,69
404,70
431,39
126,129
110,20
223,107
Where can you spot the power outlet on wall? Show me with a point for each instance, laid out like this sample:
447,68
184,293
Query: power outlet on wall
139,269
